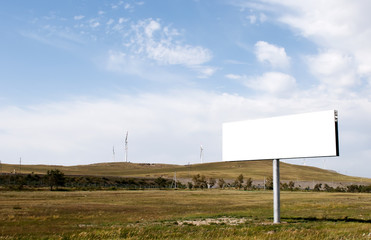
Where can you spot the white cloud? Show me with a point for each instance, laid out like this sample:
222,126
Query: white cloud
151,27
163,48
178,54
334,69
275,83
55,36
78,17
262,17
110,21
127,6
333,24
204,71
120,62
252,19
122,20
149,40
234,76
274,55
94,23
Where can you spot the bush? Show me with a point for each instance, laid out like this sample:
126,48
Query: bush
199,181
269,183
221,183
239,181
317,187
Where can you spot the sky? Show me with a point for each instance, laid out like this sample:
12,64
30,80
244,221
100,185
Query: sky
76,75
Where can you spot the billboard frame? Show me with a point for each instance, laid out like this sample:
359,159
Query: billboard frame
332,149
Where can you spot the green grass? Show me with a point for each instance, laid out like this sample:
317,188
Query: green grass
157,215
257,170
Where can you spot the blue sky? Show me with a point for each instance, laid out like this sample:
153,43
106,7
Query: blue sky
76,75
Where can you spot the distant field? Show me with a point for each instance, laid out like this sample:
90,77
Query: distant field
257,170
171,214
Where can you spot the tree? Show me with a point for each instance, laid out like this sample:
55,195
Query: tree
328,188
161,182
239,181
221,183
317,187
211,182
284,186
199,181
269,183
248,183
55,178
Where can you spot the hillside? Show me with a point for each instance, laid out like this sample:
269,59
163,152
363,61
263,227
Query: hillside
257,170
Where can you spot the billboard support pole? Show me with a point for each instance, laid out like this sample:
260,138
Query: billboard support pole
276,191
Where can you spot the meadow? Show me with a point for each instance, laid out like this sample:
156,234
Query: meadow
182,214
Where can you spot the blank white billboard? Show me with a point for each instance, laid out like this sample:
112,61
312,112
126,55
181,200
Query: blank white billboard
294,136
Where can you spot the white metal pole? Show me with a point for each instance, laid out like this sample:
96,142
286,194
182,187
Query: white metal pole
276,191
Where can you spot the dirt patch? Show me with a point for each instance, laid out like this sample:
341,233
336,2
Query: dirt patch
210,221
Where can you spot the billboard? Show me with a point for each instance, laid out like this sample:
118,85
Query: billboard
293,136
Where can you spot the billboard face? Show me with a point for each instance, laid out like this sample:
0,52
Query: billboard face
294,136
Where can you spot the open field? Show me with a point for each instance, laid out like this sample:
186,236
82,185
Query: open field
155,214
257,170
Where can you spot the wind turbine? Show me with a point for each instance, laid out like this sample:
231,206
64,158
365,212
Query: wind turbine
201,153
113,154
126,146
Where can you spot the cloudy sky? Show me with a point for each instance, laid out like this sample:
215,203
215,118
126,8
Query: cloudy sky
76,75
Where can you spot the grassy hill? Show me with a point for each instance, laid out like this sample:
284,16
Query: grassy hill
257,170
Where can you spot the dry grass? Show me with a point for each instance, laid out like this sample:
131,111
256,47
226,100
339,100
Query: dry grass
158,214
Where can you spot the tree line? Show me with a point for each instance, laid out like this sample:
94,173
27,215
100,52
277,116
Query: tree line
57,180
202,182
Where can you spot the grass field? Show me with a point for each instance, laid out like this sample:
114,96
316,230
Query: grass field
183,214
257,170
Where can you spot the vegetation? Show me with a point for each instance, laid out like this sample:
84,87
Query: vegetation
269,183
249,185
183,214
55,178
199,181
238,182
221,183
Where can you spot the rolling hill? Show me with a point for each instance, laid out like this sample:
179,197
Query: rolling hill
257,170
